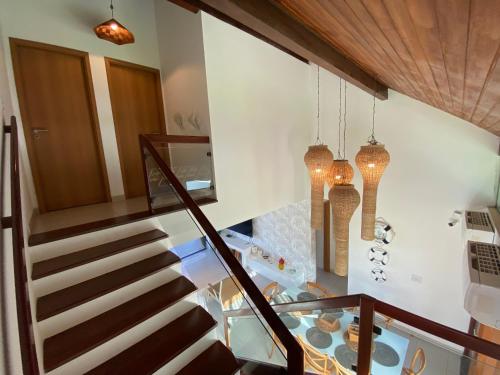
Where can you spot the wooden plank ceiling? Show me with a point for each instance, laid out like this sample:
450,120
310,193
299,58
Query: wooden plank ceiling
442,52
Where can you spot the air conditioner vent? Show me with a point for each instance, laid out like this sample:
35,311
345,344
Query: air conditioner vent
485,260
478,221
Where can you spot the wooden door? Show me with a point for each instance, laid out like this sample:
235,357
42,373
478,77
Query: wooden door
137,104
57,104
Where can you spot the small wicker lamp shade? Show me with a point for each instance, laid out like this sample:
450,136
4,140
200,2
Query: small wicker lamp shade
318,160
371,161
114,32
344,200
340,173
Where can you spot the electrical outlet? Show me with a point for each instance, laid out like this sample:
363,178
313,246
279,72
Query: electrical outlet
416,278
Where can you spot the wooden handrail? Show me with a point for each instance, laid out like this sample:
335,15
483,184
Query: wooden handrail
319,304
368,305
468,341
295,357
24,319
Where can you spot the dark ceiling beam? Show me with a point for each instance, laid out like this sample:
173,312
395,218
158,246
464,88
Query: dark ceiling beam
270,23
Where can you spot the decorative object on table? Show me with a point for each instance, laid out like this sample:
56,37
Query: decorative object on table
314,360
353,332
318,160
281,264
113,31
290,321
371,160
379,275
327,322
318,338
344,200
385,355
353,343
417,360
384,233
378,255
271,291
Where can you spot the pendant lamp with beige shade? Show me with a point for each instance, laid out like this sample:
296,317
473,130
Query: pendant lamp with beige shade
372,159
344,198
318,160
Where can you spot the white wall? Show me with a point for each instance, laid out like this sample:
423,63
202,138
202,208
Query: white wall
260,115
261,123
70,23
182,61
439,163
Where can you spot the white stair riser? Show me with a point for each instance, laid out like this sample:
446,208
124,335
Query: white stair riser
83,312
188,355
118,344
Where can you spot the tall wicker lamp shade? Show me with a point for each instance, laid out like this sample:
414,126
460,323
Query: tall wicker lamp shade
340,173
318,160
371,160
344,200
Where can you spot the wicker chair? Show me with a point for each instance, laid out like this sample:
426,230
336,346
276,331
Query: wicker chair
418,359
271,291
316,361
318,290
339,369
228,293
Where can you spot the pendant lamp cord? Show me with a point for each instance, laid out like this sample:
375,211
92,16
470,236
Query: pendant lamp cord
339,156
345,111
112,9
372,139
318,141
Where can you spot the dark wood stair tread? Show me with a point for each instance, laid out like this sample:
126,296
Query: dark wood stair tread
67,298
78,258
78,340
216,359
156,350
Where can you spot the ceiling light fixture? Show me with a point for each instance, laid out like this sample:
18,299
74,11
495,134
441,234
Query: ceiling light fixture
318,160
344,198
113,31
371,160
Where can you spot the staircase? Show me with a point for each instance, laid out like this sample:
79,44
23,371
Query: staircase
119,305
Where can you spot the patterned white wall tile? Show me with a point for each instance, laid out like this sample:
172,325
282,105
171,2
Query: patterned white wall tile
287,233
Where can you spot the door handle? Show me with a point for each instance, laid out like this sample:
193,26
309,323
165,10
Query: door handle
36,132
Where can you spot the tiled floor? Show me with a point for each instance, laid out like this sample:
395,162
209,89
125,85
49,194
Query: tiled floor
86,214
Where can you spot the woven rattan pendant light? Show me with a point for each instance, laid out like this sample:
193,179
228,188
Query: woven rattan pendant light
318,160
371,160
341,172
344,198
113,31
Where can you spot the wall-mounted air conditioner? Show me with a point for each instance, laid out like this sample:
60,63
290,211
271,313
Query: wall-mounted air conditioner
477,226
482,282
